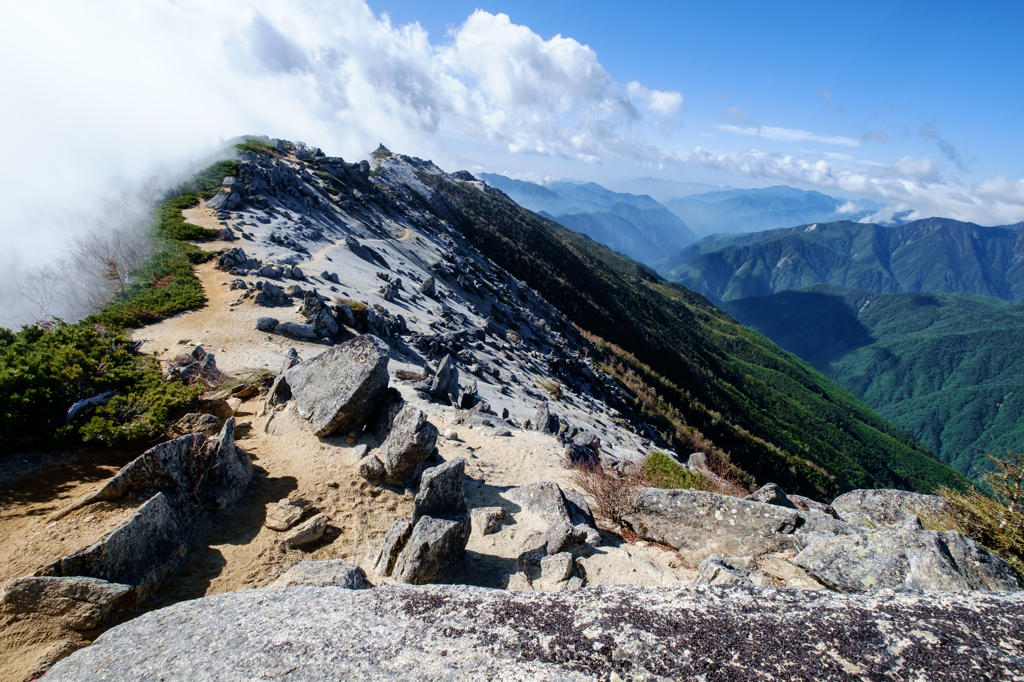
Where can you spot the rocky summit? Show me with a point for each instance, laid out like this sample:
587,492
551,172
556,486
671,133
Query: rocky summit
445,438
454,632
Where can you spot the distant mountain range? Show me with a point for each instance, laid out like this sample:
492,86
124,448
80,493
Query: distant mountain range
633,225
906,318
946,368
936,254
753,210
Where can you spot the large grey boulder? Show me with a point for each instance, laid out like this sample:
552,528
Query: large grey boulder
907,557
699,524
543,498
716,570
295,330
78,602
877,508
330,573
441,491
394,540
339,389
433,550
410,440
457,632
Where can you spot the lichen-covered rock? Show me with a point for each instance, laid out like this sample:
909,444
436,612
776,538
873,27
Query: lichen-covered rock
194,422
699,523
457,632
877,508
907,557
434,548
78,602
339,389
771,493
330,573
371,468
296,330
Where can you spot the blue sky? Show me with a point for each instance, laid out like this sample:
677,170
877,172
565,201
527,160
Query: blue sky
939,79
895,66
912,105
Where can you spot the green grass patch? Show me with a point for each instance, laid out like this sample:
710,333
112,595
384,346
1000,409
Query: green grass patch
255,147
661,471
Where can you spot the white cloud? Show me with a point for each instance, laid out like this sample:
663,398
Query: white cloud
117,87
788,134
913,186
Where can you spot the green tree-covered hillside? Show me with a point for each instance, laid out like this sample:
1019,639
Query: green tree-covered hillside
946,368
775,416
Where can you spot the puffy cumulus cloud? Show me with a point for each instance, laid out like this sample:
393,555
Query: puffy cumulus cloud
118,87
666,106
912,187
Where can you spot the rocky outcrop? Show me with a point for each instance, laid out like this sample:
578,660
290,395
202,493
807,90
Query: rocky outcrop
428,546
340,389
877,508
906,558
455,632
184,480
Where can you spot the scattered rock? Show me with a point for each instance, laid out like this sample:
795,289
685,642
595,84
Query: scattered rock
560,536
555,568
770,493
410,440
428,288
441,491
330,573
296,330
80,603
371,468
451,434
487,519
194,422
699,524
434,548
282,515
308,532
266,324
718,571
543,420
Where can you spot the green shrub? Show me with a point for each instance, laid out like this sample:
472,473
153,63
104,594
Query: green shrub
661,471
171,222
255,147
45,370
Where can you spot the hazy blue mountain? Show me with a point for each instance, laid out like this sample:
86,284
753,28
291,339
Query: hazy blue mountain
632,224
754,210
935,254
946,368
664,190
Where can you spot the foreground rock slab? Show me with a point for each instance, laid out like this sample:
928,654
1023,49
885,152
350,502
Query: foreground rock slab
466,633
